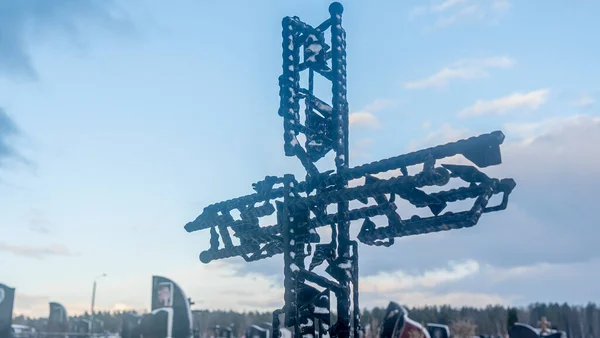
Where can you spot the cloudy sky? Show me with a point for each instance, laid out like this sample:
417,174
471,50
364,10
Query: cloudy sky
121,120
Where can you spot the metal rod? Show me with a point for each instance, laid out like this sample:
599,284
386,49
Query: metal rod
340,108
93,302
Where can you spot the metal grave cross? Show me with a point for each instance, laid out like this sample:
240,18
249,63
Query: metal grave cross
544,325
302,207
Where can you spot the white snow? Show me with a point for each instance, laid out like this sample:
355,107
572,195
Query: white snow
345,265
321,310
310,323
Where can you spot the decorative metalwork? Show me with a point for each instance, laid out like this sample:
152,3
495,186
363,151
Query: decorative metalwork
303,207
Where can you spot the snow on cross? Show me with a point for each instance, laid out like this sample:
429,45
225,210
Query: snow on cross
302,207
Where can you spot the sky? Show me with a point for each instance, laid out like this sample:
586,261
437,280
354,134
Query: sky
121,120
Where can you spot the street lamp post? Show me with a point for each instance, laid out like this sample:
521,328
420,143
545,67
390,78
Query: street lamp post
93,301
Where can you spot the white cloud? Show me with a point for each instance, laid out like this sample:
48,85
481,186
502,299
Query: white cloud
519,272
533,145
446,5
530,101
501,5
380,104
30,305
456,299
560,145
366,117
122,307
585,100
390,282
449,12
222,287
214,286
465,69
530,131
444,134
473,11
424,289
38,252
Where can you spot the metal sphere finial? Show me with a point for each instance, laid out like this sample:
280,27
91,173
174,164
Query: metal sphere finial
336,8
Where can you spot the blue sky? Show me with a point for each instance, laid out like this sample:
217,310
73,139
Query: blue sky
121,120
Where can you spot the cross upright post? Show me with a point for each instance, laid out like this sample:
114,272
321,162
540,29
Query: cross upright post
301,208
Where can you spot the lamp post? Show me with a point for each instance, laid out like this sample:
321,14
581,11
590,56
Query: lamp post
93,301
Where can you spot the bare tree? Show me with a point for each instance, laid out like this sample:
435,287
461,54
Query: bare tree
463,328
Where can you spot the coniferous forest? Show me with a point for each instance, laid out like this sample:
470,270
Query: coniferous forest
576,321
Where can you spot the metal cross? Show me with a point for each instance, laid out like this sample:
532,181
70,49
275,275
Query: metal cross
303,207
544,324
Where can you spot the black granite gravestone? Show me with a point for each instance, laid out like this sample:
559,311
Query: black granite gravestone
166,294
7,300
438,330
58,321
130,326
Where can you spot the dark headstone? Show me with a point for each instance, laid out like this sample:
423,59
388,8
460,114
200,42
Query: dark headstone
521,330
397,324
157,324
393,319
57,320
557,334
438,330
7,300
258,331
130,327
167,294
80,326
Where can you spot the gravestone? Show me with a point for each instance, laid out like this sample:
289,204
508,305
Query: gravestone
58,321
397,324
130,325
7,301
258,331
157,324
80,326
303,207
438,330
522,330
170,310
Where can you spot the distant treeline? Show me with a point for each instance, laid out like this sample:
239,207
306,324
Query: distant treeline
576,321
